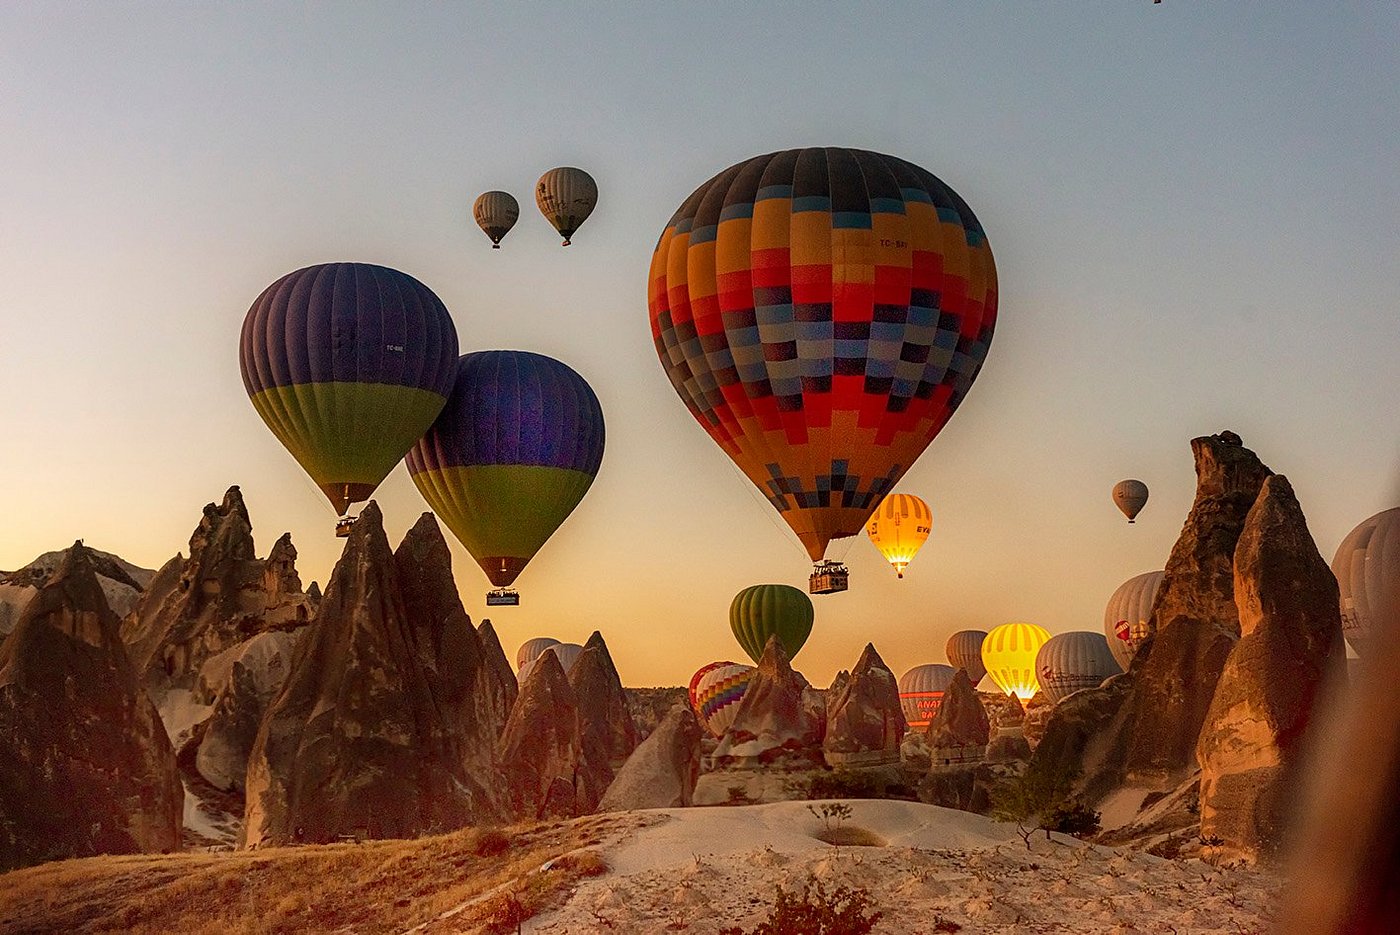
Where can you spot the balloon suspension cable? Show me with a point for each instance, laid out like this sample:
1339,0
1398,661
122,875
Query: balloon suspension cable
766,509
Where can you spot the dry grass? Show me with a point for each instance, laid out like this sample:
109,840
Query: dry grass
377,886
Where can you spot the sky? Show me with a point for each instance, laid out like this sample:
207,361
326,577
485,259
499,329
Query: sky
1193,209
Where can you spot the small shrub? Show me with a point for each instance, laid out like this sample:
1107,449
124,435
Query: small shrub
843,784
505,914
815,911
1074,818
1169,848
941,924
832,814
582,864
490,842
738,795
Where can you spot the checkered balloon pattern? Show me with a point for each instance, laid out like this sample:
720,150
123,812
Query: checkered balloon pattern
822,313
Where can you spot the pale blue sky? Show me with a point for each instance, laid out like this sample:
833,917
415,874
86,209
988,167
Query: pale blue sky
1193,209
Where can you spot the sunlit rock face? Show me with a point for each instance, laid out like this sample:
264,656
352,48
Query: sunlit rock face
662,771
1290,643
960,730
775,725
376,732
122,583
864,720
86,766
540,753
242,681
607,733
503,688
197,608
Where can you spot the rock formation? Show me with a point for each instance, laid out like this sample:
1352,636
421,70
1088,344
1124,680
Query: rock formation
662,771
1194,621
503,688
87,768
198,607
960,730
1290,640
241,682
864,721
773,724
1087,737
607,735
372,736
121,581
540,754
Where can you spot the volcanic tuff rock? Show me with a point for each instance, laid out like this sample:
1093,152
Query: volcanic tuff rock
960,729
864,722
1087,737
372,735
198,607
241,682
540,753
661,772
502,688
1291,640
774,723
607,734
87,767
121,581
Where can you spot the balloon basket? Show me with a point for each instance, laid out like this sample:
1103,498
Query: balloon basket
342,526
503,597
828,578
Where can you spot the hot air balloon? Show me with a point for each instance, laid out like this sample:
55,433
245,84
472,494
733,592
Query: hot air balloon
348,364
566,653
1130,497
1367,567
1125,618
566,197
530,650
964,651
512,454
898,527
765,610
1009,653
921,692
496,213
715,693
1071,661
822,313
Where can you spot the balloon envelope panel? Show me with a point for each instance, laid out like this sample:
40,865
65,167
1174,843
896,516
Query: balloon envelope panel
510,457
1126,617
921,692
1071,661
348,364
766,610
899,527
1009,653
822,313
716,691
964,651
1367,566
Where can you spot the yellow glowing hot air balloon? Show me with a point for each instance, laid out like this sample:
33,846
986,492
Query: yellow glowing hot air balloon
1009,653
898,527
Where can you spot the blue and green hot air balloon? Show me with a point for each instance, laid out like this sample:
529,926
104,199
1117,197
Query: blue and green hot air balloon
511,455
348,364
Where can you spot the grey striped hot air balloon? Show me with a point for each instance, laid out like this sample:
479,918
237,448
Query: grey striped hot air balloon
496,213
566,197
1125,618
964,651
530,650
921,692
1131,497
1071,661
1367,567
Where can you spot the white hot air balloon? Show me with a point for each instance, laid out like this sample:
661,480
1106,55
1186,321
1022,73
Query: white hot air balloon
1071,661
530,650
566,653
1130,497
921,692
1125,618
1367,567
964,651
566,197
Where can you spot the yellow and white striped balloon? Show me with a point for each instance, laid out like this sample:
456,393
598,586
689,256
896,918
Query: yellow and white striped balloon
1009,653
899,527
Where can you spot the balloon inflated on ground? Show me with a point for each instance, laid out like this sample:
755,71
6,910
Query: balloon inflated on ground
1130,496
1367,566
715,692
566,197
1071,661
1009,653
964,651
496,213
1125,619
899,527
510,457
921,692
348,364
765,610
822,312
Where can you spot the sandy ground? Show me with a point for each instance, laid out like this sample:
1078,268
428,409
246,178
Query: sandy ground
698,870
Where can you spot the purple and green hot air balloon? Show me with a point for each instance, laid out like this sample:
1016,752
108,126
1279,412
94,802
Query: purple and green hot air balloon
348,364
511,455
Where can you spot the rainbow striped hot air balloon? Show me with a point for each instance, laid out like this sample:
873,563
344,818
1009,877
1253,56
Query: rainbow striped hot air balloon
1009,653
348,364
822,312
512,454
715,692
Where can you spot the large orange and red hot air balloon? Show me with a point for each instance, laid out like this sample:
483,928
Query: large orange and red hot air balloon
822,312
